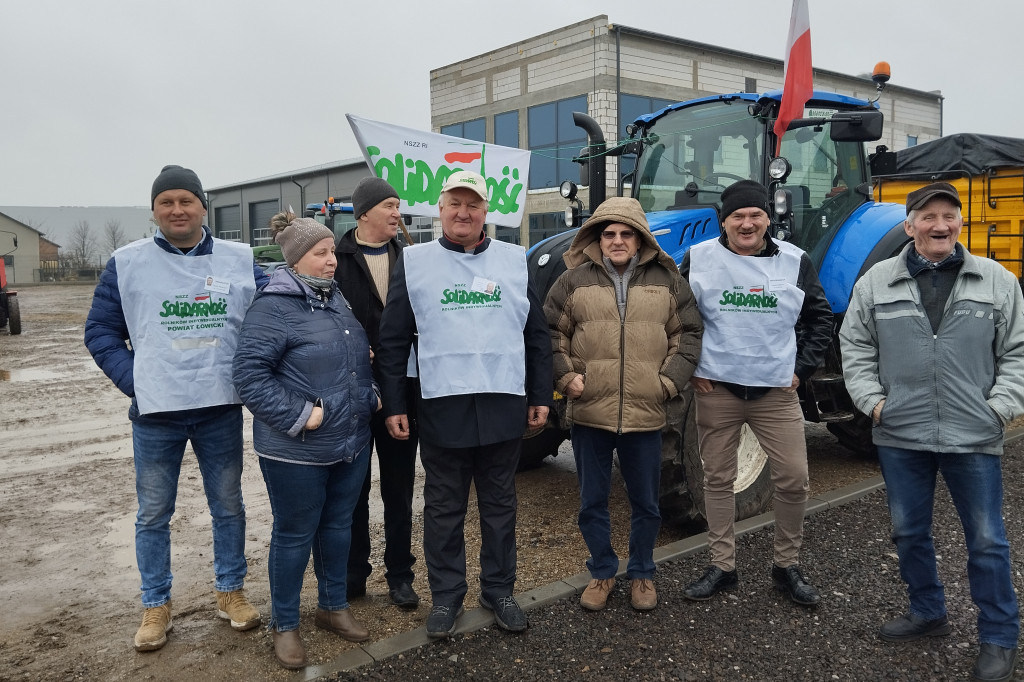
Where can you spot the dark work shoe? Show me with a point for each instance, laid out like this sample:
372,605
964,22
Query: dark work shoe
403,596
994,663
711,583
910,627
507,613
791,580
355,591
441,621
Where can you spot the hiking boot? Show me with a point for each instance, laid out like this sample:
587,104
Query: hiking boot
507,612
342,623
711,583
288,650
792,581
235,607
595,597
994,664
643,596
156,623
909,628
441,621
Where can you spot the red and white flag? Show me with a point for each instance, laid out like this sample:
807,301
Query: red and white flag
799,80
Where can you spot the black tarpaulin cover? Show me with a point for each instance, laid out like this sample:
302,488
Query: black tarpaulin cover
963,152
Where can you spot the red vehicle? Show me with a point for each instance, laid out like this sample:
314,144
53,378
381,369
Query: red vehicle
10,313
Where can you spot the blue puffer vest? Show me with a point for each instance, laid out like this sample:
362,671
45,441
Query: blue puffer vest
295,349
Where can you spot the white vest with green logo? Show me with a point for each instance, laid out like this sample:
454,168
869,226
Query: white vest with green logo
750,306
184,335
471,311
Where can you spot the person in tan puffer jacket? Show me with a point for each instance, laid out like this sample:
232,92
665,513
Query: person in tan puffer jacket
626,336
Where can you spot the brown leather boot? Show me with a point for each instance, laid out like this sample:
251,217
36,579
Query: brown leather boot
289,650
343,624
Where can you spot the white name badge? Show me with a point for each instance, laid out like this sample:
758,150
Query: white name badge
483,285
217,285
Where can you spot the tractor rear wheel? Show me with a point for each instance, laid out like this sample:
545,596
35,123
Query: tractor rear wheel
682,471
13,315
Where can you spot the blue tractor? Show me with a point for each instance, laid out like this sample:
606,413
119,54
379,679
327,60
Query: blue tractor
676,162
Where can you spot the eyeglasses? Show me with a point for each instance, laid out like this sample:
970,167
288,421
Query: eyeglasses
625,235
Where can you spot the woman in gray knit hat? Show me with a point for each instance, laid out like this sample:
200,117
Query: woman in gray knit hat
302,367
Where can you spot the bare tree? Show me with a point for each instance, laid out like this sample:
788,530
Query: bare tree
113,236
81,250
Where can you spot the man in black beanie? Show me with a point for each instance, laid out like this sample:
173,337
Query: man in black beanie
366,255
178,298
767,324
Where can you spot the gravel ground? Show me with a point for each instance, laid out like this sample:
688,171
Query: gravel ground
753,633
68,582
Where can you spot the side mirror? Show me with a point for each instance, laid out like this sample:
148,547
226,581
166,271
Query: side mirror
857,126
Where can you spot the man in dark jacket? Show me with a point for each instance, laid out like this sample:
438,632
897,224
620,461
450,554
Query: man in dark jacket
767,324
366,256
484,357
163,327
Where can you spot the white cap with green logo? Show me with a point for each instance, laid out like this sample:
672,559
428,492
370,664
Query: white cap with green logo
468,180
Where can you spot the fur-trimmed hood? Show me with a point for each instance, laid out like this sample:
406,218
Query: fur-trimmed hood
626,210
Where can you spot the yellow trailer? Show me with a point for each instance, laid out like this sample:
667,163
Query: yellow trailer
987,171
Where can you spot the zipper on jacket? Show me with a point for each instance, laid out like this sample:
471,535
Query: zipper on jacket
622,366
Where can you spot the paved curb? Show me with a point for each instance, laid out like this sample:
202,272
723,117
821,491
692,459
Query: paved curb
478,618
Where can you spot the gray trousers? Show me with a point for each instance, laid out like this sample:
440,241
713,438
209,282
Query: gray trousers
449,472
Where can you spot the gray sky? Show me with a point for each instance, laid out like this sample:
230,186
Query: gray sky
99,95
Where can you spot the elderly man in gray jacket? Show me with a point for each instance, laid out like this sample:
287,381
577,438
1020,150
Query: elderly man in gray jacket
933,351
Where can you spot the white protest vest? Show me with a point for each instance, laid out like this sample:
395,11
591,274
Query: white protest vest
471,311
750,306
183,315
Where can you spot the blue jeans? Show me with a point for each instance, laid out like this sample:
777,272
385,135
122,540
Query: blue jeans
975,482
159,449
640,463
312,507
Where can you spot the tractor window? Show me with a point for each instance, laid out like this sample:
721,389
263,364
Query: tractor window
691,155
824,175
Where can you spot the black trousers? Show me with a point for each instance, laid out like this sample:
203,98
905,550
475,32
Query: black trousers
449,472
396,460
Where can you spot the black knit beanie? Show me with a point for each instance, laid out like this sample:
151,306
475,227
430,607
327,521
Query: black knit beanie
176,177
744,194
370,192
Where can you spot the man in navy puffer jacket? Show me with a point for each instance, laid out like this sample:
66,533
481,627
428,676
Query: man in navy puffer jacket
163,327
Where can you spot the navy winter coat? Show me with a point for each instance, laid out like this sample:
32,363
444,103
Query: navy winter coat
295,349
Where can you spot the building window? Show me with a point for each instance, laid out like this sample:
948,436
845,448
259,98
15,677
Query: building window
504,233
227,220
631,107
506,129
544,225
911,140
553,140
470,130
421,229
749,84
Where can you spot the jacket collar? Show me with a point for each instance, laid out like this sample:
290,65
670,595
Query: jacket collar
898,270
458,248
203,248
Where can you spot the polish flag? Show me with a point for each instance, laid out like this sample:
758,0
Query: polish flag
799,80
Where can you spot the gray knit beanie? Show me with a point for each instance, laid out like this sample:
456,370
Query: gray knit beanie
299,236
370,192
176,177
